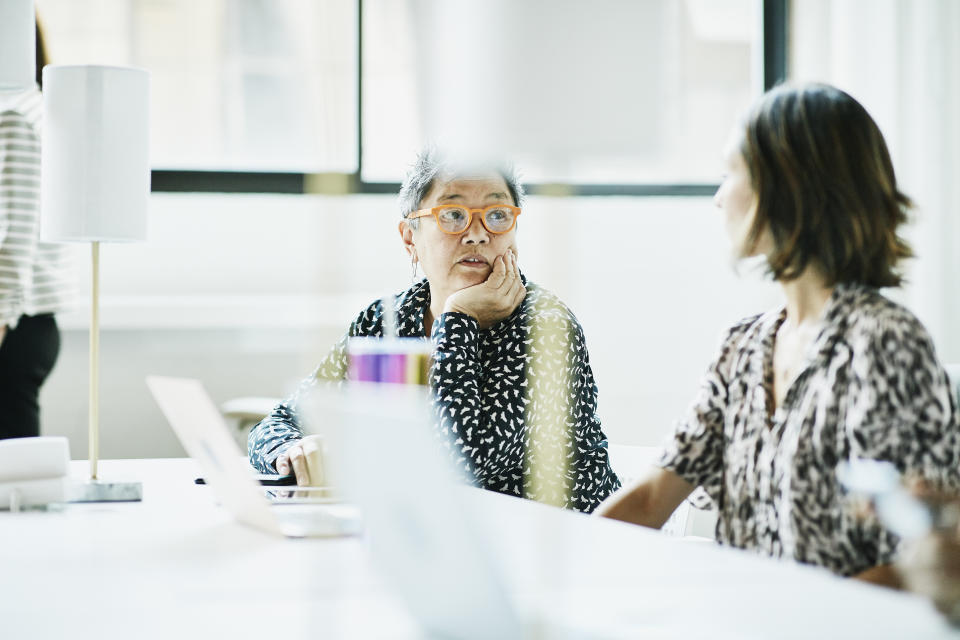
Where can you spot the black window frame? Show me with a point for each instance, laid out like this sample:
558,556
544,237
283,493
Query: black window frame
775,17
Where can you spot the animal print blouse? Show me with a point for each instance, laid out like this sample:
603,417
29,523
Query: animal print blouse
500,395
870,387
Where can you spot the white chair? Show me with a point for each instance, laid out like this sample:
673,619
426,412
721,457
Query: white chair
245,412
953,370
630,462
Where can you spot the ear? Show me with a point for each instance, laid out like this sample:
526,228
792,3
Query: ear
406,236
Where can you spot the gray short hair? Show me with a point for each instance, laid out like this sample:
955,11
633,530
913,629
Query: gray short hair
429,164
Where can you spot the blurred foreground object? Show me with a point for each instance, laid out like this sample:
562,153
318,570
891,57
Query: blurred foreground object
33,472
930,564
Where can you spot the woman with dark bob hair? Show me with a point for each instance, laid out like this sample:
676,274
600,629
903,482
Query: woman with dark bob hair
839,372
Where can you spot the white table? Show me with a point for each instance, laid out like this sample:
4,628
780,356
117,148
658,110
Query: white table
176,565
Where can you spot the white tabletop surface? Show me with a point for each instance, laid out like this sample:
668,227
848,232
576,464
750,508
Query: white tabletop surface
176,565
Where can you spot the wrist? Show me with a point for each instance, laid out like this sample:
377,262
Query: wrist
455,308
454,331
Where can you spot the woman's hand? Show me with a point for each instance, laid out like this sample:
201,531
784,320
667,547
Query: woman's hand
494,299
306,460
930,565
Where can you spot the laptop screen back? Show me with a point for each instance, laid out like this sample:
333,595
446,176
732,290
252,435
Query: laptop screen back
207,439
424,537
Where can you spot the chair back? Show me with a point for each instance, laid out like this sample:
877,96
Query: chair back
953,370
630,462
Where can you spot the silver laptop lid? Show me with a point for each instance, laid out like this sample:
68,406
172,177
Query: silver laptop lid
206,438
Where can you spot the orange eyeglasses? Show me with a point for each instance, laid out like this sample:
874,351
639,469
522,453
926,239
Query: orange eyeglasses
454,219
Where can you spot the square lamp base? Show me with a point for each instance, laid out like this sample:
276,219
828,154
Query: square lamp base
100,491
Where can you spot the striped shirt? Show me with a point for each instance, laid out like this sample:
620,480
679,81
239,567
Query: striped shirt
35,277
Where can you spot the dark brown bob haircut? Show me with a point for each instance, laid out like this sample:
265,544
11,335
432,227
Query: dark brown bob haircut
825,187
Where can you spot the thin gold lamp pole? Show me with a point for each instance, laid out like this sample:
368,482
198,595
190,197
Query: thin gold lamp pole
94,404
95,187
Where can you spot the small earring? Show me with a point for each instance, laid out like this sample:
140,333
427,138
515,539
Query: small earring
413,268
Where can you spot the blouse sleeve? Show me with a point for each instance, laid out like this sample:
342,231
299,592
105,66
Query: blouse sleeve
694,451
455,380
565,458
567,453
281,428
902,408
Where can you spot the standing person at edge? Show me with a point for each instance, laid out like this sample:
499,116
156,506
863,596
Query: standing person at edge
35,277
484,318
839,372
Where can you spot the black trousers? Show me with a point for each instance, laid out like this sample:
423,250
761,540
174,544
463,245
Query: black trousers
27,356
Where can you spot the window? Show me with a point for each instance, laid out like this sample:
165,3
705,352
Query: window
608,91
252,85
606,97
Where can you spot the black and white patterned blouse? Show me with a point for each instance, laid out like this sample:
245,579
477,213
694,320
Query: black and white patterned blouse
490,390
870,387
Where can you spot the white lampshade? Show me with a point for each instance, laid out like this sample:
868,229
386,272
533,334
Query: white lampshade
95,166
18,61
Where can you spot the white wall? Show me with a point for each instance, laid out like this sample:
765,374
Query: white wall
901,59
247,293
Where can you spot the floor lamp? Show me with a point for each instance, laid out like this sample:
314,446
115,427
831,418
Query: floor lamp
95,187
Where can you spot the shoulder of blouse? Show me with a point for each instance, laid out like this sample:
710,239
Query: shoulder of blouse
543,306
738,341
368,320
736,334
867,316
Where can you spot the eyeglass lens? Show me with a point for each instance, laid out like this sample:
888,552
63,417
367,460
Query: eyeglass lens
456,219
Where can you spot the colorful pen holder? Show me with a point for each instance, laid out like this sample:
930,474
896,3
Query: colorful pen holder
393,360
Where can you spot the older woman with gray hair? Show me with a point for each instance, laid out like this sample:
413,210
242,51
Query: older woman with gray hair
512,388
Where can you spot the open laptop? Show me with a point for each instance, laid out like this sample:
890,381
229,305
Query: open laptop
426,535
206,437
